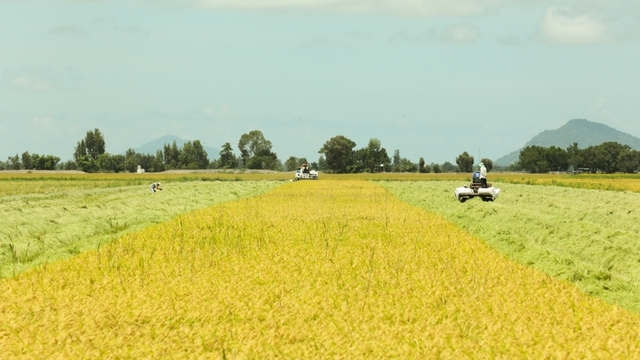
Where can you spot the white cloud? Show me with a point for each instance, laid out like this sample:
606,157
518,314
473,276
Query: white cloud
30,83
564,26
409,8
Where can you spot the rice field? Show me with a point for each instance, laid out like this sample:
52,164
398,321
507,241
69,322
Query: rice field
590,238
318,269
56,222
44,182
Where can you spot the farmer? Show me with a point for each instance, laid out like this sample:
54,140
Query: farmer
483,175
155,186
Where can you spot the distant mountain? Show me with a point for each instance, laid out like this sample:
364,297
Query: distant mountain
585,133
158,144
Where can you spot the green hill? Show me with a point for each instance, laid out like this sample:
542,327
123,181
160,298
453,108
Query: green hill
585,133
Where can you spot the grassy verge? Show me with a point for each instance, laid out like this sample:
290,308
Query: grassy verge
590,238
43,227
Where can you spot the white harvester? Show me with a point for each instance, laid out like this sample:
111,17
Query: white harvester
475,189
304,173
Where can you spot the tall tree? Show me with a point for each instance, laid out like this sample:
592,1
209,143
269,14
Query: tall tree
396,158
322,164
227,159
26,160
488,163
118,163
538,159
158,162
339,153
291,163
130,161
88,150
106,163
557,158
256,151
465,162
80,150
405,165
14,163
574,156
629,161
188,157
448,167
94,143
202,158
372,157
145,161
532,159
171,156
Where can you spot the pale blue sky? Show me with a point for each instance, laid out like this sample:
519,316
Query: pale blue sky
431,78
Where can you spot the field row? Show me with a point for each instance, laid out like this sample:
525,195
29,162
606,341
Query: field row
308,270
40,228
29,183
590,238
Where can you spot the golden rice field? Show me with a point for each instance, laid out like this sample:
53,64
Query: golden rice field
317,269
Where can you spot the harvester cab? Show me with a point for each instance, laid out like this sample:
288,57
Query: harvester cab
475,189
305,173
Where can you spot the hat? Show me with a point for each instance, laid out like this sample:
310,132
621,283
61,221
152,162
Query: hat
481,163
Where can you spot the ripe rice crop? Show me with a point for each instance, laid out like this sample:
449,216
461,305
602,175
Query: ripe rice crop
310,270
47,226
617,182
590,238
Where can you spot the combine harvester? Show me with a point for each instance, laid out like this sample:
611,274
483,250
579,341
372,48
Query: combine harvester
475,189
303,173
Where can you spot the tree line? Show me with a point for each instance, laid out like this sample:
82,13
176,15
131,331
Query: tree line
608,157
338,155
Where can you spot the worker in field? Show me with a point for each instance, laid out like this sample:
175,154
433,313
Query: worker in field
155,187
483,175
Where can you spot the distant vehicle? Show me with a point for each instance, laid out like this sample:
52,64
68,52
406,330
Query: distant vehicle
304,173
475,189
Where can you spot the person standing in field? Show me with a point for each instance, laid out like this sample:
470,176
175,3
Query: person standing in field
483,175
155,187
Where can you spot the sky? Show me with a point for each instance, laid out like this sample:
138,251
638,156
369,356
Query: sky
431,78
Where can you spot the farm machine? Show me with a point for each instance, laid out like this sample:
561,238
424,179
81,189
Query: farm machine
304,173
475,189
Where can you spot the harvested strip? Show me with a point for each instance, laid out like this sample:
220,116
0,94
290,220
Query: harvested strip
311,269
